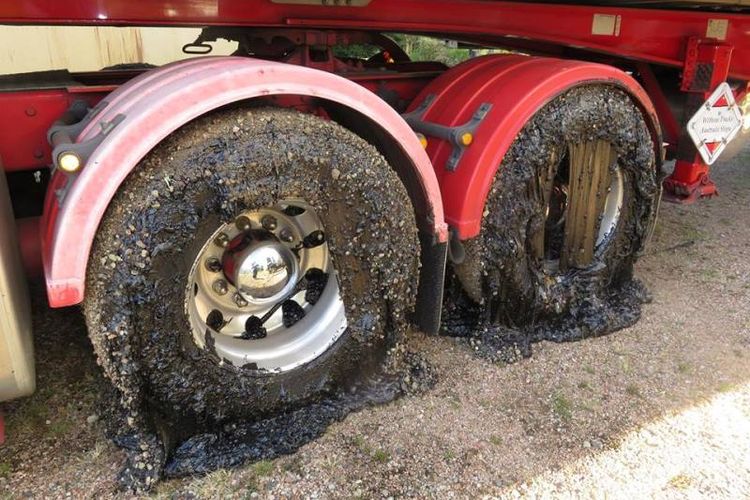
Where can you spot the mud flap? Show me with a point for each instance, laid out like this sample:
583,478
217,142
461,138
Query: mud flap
429,306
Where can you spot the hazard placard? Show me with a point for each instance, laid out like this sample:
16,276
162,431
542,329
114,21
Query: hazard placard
715,124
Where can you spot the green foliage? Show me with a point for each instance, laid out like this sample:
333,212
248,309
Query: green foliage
263,468
381,456
562,407
355,51
419,48
424,48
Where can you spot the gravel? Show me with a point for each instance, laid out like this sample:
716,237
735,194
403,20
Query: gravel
659,409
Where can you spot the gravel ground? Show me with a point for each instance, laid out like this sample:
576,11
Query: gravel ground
660,409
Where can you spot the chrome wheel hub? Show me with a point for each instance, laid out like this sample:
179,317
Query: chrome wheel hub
262,268
263,293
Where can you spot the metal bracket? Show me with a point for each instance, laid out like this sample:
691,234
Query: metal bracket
82,149
62,141
74,120
71,122
452,134
706,65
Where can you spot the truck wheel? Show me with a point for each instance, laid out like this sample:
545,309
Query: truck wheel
569,209
254,260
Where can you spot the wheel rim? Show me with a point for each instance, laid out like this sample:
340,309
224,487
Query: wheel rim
612,208
263,293
583,199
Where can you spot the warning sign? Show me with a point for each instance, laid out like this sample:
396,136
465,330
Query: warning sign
715,124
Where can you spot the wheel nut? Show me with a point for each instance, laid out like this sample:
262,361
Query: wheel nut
239,300
220,287
221,240
268,222
213,264
286,235
242,223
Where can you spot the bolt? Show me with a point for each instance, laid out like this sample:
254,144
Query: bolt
30,112
222,240
314,239
242,223
220,287
286,235
213,264
239,300
268,222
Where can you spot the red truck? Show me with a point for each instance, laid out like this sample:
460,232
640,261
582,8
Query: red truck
247,232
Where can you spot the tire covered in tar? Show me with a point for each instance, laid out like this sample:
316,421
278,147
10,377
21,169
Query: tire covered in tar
498,271
202,176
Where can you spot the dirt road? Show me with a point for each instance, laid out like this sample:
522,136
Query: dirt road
662,408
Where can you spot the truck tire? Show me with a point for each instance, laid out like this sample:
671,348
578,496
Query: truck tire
256,259
570,207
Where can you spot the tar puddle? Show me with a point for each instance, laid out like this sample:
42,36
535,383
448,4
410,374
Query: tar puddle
599,314
174,449
520,305
173,452
249,441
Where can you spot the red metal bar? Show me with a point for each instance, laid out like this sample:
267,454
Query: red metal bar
27,115
707,65
653,35
670,127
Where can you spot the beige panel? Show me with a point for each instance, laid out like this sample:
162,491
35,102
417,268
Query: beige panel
717,28
16,348
39,48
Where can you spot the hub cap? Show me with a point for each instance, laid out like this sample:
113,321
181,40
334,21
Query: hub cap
262,268
262,293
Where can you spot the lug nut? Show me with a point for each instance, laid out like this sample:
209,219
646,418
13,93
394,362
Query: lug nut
242,223
220,287
268,222
314,239
213,264
286,235
221,240
239,300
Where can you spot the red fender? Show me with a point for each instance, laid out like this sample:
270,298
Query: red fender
160,101
516,87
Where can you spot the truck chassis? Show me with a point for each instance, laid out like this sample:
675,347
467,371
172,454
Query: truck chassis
514,174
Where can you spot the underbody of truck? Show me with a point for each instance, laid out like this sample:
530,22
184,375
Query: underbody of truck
249,232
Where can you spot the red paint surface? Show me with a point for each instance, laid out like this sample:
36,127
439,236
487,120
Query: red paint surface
27,115
690,179
647,34
157,103
517,87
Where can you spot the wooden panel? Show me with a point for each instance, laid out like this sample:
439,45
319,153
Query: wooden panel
589,182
